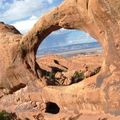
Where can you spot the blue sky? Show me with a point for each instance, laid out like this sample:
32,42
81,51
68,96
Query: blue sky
24,13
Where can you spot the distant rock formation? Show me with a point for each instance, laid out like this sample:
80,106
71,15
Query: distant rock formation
63,71
99,18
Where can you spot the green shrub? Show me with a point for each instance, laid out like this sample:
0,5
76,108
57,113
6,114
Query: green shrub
78,76
50,75
5,116
97,70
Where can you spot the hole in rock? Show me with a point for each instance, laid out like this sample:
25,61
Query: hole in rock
52,108
69,56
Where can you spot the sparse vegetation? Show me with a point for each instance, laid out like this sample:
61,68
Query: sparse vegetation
7,116
58,77
50,75
78,76
97,70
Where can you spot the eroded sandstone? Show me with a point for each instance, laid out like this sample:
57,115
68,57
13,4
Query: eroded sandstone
99,94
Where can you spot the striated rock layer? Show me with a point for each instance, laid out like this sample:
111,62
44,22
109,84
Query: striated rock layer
19,68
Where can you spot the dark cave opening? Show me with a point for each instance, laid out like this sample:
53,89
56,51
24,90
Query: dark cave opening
52,108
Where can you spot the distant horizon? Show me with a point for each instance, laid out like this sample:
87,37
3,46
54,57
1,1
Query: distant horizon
70,45
86,48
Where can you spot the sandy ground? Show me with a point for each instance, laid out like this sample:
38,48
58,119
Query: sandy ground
75,63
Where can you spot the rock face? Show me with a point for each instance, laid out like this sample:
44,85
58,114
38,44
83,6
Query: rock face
99,18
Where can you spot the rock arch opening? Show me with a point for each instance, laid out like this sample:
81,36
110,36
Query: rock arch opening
69,60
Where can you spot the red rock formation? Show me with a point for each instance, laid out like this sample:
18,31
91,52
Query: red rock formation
99,18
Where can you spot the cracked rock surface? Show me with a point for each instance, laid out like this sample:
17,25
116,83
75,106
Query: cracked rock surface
21,88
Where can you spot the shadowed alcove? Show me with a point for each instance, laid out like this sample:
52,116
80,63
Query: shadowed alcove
52,108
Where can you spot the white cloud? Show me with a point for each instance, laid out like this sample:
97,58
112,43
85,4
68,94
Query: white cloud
76,37
21,9
60,32
50,1
1,2
25,25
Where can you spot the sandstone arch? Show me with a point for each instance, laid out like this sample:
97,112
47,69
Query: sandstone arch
86,18
99,18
